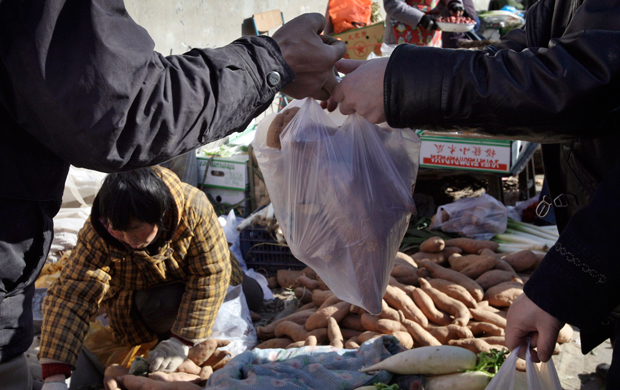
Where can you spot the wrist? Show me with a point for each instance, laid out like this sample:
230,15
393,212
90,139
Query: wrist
183,341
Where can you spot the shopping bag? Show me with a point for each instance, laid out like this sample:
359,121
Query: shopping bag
480,218
349,14
540,376
342,197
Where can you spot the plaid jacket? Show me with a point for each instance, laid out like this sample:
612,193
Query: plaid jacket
103,272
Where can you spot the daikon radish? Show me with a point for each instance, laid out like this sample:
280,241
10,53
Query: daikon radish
473,380
435,360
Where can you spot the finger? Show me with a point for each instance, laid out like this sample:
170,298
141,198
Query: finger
338,47
545,346
313,21
330,84
347,66
331,105
109,383
156,364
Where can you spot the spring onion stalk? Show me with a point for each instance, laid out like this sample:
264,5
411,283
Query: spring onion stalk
526,237
510,248
532,229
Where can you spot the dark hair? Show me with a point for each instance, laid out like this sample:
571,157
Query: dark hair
141,194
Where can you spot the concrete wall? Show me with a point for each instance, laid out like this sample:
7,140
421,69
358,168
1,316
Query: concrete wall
177,26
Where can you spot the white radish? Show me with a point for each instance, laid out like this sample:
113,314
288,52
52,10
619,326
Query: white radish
431,360
473,380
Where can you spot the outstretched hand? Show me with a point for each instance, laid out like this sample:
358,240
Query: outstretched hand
361,90
525,319
310,55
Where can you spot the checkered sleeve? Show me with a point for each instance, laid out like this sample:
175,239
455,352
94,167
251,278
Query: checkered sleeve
209,271
74,297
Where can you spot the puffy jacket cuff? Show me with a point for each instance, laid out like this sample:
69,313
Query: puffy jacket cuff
49,369
413,85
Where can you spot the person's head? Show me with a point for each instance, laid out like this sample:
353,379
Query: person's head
133,206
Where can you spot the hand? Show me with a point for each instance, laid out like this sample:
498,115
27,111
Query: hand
361,90
310,55
456,8
168,355
55,385
524,319
428,22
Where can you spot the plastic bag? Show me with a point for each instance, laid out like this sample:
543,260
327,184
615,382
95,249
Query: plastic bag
540,376
480,218
234,323
342,197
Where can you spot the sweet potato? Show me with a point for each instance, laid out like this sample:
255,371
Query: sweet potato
295,331
485,328
407,288
320,296
278,342
403,258
351,344
399,300
322,284
459,262
216,358
288,278
387,312
310,341
309,305
449,332
405,273
319,318
308,283
453,290
444,303
268,331
296,344
469,245
277,126
352,321
368,335
433,245
503,294
479,267
520,261
349,333
404,338
309,273
501,264
438,258
333,333
205,372
420,335
272,282
303,294
488,316
495,277
202,352
475,345
494,340
437,271
426,304
381,325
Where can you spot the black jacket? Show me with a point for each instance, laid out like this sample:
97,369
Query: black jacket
556,82
80,84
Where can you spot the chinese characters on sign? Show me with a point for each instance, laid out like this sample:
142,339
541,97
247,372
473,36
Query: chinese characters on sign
483,157
361,42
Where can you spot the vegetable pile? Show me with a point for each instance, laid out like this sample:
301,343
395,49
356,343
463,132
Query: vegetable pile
453,292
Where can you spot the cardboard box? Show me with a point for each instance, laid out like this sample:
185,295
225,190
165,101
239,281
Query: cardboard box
229,197
469,152
363,41
229,173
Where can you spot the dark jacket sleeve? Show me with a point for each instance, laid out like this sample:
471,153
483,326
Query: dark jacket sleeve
577,281
83,79
556,89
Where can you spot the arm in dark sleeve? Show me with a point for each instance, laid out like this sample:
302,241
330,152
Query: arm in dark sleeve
578,281
401,11
543,94
82,78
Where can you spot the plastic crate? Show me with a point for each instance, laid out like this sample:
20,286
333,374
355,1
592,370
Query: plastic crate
261,251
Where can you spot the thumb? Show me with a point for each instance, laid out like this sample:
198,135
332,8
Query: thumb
347,66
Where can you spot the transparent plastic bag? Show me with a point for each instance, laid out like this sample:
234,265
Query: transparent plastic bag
342,196
540,376
480,218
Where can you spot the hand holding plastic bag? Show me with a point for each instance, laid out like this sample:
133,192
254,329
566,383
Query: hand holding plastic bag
540,376
342,196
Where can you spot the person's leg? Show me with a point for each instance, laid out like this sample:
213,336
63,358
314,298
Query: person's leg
16,375
88,371
159,306
253,293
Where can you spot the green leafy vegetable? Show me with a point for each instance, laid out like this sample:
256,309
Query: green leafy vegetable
383,386
490,362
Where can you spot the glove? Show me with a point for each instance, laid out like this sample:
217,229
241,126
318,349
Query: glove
428,22
54,385
168,355
456,8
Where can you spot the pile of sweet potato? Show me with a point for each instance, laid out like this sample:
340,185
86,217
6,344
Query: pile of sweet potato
452,292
